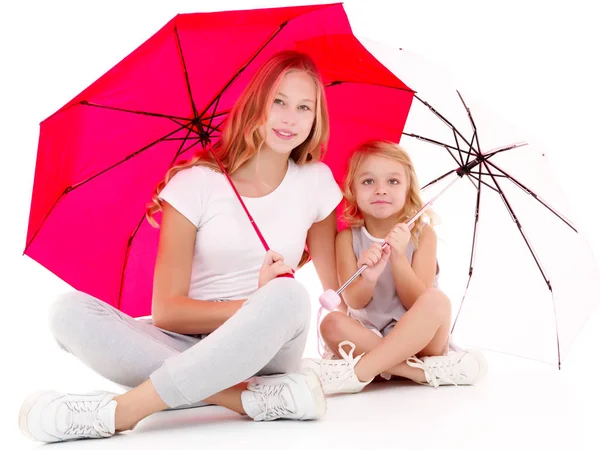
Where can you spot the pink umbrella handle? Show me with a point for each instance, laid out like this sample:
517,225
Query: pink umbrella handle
258,233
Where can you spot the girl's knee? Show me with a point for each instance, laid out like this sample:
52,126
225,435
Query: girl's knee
66,310
436,302
286,299
289,293
62,311
332,325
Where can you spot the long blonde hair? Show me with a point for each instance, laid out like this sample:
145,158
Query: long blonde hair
386,149
241,139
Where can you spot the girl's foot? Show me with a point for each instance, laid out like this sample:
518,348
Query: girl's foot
337,375
54,417
295,396
465,367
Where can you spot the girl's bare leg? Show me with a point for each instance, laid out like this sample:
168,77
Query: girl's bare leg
422,331
143,400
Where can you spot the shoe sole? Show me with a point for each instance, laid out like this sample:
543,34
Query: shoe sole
24,413
315,366
483,367
314,384
309,364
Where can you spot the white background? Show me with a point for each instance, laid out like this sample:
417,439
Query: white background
534,63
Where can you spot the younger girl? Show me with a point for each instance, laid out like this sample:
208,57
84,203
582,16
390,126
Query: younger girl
394,309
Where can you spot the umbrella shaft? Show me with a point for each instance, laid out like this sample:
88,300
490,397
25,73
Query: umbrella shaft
358,272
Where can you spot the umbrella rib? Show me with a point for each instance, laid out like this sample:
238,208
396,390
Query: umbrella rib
534,195
176,139
338,82
212,116
252,58
73,187
462,161
483,182
63,194
130,111
333,83
185,123
471,148
472,182
494,175
181,151
189,126
507,148
127,158
190,123
438,179
217,127
519,227
473,243
133,235
442,118
238,73
219,114
187,78
126,260
516,221
212,129
433,141
203,120
475,135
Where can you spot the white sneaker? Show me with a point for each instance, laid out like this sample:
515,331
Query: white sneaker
50,416
466,367
337,375
297,396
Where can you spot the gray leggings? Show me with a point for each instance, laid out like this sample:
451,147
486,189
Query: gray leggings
267,335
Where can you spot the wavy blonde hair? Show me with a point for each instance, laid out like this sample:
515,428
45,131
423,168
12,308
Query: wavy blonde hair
351,213
241,139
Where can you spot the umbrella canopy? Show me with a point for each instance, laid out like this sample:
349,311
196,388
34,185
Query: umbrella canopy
101,155
522,279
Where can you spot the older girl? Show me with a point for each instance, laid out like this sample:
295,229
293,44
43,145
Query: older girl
196,349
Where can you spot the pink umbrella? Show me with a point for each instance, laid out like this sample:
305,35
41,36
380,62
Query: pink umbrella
101,155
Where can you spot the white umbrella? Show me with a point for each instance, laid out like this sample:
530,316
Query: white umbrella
522,279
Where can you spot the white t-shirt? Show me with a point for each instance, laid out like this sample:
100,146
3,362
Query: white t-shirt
228,253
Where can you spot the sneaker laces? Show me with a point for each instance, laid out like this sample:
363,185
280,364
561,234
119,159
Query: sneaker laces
438,370
339,369
271,401
84,420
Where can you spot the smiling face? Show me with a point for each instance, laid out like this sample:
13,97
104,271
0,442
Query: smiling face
380,187
292,113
